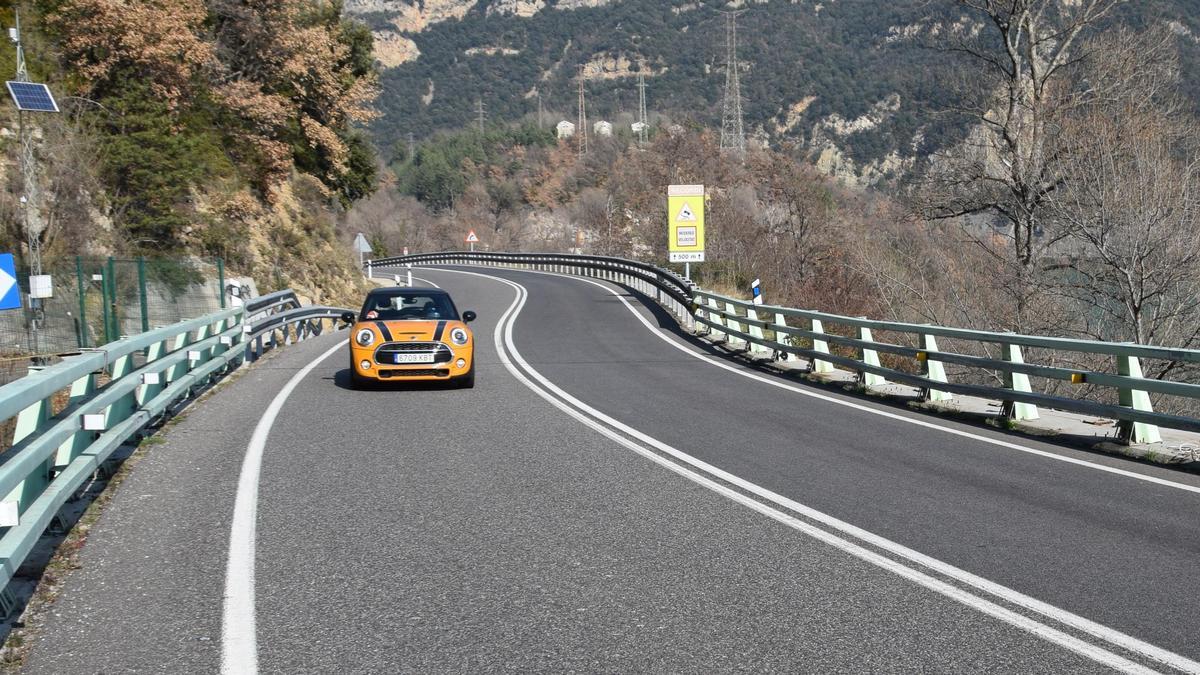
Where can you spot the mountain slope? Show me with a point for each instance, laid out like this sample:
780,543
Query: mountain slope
850,75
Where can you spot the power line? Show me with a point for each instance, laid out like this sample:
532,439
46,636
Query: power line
733,136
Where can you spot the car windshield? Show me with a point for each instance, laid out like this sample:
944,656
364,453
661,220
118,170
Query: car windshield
415,306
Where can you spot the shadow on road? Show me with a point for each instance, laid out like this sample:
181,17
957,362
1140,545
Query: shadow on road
343,381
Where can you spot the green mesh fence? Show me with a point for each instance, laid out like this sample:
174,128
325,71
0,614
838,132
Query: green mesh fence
100,300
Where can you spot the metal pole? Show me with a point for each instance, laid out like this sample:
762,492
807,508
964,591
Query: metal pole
687,271
143,300
83,327
105,305
114,331
221,279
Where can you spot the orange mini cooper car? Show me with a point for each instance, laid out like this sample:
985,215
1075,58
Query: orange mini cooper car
406,334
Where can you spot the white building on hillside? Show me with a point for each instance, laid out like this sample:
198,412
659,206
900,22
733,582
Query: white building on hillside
565,129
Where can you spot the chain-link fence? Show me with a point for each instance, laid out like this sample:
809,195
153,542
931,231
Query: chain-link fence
98,300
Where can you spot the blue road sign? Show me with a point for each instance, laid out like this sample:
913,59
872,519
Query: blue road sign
10,293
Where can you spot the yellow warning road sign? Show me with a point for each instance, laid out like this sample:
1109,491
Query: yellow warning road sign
685,214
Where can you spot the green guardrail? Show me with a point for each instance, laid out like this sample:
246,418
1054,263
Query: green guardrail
70,417
743,324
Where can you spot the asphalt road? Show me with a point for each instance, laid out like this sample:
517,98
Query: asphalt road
421,529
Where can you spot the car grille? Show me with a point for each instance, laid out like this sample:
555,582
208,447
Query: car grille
419,372
384,354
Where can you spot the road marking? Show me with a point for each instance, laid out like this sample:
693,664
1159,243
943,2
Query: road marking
239,642
775,382
613,429
374,276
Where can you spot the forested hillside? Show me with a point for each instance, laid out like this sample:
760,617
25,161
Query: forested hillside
861,75
197,128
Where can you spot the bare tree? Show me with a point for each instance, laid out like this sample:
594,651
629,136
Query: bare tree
1131,208
1026,51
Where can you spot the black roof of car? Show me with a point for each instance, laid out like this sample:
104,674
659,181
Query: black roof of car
405,290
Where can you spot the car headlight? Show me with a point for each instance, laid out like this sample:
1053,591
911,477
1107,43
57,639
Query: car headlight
458,336
365,337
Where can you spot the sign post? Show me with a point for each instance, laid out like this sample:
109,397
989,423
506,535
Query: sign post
685,225
472,239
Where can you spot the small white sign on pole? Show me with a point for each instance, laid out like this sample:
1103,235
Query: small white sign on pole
361,244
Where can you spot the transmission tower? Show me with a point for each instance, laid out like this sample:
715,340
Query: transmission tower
412,147
733,137
581,128
642,108
541,111
480,114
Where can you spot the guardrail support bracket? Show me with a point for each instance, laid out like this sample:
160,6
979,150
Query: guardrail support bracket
870,357
1135,432
1016,410
819,366
934,370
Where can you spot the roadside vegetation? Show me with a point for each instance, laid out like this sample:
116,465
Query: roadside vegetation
198,128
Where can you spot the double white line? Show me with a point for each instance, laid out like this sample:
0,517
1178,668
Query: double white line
1106,646
238,634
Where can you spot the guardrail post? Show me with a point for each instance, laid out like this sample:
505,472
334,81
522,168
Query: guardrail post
81,389
715,317
202,333
757,333
179,369
1017,410
934,370
30,421
1135,432
819,366
120,410
782,337
147,392
220,327
869,357
733,324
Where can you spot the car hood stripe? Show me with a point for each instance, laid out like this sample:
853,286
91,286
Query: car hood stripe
383,329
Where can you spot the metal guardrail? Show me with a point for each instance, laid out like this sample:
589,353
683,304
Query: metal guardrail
743,324
671,290
115,392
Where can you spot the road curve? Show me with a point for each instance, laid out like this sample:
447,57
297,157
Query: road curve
423,529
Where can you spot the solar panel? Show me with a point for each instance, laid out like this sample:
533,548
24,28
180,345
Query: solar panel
32,96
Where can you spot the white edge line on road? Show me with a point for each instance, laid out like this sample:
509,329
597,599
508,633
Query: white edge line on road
239,641
610,427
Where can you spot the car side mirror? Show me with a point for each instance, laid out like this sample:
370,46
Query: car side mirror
348,317
469,316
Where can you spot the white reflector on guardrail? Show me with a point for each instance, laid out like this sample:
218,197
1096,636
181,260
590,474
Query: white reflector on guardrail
93,422
9,515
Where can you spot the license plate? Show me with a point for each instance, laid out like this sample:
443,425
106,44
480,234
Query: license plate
413,358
